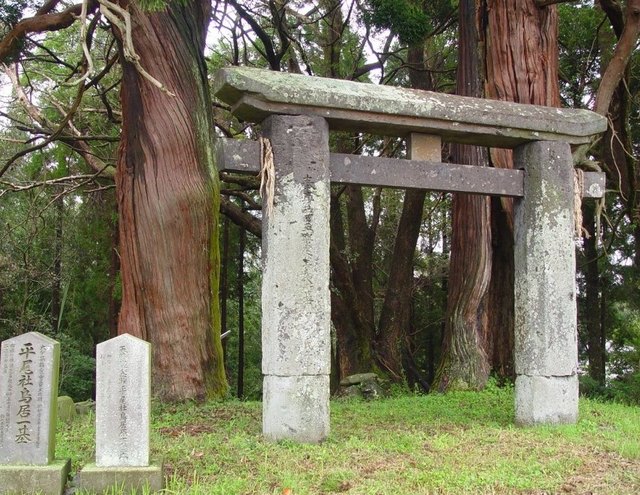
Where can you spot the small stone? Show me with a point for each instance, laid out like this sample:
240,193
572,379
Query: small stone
66,409
85,407
351,392
358,378
371,389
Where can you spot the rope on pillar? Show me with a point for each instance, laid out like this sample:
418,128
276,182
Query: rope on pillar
267,175
578,187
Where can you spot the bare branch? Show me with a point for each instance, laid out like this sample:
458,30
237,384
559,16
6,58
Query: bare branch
65,132
241,217
40,23
621,56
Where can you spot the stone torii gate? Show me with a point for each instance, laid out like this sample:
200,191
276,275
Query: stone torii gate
297,113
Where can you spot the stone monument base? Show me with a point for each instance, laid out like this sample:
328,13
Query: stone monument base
97,479
46,480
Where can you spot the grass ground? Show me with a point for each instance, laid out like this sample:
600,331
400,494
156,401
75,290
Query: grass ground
461,443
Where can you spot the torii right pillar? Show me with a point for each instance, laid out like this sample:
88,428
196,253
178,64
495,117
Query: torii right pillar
546,350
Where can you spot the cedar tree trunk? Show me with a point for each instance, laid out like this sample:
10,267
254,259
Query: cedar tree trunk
168,204
521,42
464,363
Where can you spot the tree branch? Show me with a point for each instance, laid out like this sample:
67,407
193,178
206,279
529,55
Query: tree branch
272,58
614,12
58,132
620,59
240,217
39,23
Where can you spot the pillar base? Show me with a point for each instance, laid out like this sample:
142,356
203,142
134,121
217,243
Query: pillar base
546,400
296,408
97,479
45,480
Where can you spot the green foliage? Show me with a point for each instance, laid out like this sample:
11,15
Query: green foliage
626,389
77,370
411,20
580,38
252,317
10,14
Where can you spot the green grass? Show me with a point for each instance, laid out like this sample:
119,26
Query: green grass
461,443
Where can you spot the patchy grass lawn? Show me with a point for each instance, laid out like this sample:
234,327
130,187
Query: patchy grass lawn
461,443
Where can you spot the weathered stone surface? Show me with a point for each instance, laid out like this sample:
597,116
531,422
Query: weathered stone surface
97,479
358,378
44,480
66,409
254,94
123,400
546,399
544,253
295,251
243,156
296,408
296,342
85,407
29,368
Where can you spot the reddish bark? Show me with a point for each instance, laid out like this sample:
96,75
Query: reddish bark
521,65
464,362
620,59
168,204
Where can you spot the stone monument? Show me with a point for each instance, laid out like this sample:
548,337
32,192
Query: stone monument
123,404
29,367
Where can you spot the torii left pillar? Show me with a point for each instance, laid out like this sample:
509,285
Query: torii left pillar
296,310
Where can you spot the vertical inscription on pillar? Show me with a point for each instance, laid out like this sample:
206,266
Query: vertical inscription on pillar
28,388
123,387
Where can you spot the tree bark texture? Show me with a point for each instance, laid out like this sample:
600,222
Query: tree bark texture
464,363
521,59
168,204
521,65
396,309
617,66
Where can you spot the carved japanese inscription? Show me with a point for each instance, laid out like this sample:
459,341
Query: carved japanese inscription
28,389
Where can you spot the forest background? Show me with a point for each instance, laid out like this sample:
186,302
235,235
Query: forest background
114,219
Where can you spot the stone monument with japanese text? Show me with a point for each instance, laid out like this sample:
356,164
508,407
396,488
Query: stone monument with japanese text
29,368
123,403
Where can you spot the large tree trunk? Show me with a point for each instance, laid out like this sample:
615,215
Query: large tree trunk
521,57
464,362
168,204
396,310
